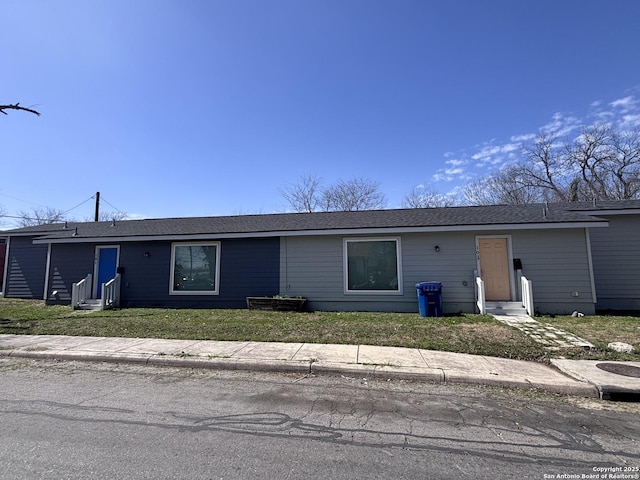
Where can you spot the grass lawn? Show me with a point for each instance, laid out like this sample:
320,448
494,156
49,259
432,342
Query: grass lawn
474,334
600,330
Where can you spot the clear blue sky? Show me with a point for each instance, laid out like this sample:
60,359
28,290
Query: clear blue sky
209,107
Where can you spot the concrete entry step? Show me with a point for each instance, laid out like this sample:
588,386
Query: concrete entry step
505,308
92,304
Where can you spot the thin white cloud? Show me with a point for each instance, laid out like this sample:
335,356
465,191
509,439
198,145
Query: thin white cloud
630,121
486,153
525,137
603,116
457,175
561,125
468,163
456,162
496,154
136,216
624,103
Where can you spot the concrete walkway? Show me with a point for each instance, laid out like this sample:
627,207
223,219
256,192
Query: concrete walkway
565,377
551,337
514,315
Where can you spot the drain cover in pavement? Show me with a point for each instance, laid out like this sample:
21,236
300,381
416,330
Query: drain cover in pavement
620,369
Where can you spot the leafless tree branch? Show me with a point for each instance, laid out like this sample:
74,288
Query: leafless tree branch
16,106
424,197
308,195
602,163
40,216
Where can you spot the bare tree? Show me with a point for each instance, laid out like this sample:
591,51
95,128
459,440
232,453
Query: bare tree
304,196
608,164
546,168
508,186
424,197
108,216
308,195
3,214
40,216
353,195
601,163
16,106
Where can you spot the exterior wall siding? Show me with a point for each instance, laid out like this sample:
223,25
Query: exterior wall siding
26,269
3,254
555,261
70,263
248,267
616,263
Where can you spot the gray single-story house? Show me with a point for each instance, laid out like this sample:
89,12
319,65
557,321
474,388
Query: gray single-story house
571,256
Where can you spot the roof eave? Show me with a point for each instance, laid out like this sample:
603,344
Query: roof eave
613,211
327,232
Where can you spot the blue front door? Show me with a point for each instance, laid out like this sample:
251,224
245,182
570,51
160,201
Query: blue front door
107,264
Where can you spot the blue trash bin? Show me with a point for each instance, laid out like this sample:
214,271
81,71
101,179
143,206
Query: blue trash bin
429,299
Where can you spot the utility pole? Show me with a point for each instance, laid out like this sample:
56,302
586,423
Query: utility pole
97,206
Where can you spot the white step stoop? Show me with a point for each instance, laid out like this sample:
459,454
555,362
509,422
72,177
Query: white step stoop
91,304
505,308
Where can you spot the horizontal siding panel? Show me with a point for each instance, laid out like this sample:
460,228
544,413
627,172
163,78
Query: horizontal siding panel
248,267
314,269
556,261
616,262
70,263
557,264
26,269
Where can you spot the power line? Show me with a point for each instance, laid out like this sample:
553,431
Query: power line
112,206
80,204
59,216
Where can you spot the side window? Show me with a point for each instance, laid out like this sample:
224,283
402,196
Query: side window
372,265
195,268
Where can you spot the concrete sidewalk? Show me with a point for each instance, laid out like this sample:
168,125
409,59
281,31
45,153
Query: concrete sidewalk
566,377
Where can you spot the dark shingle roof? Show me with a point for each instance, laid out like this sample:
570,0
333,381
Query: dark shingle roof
449,217
602,205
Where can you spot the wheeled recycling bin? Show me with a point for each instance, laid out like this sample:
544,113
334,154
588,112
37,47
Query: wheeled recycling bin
429,299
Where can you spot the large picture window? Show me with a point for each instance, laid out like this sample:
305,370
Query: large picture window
195,268
372,265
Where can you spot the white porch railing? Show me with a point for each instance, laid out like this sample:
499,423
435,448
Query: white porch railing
111,293
480,299
527,295
81,291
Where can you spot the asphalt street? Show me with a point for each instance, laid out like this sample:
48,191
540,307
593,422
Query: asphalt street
92,420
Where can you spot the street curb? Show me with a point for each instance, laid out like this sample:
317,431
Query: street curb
606,391
433,375
574,390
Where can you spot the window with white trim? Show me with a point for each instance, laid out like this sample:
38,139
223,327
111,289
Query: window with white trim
195,268
372,265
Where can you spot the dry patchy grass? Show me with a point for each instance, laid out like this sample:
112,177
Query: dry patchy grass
474,334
